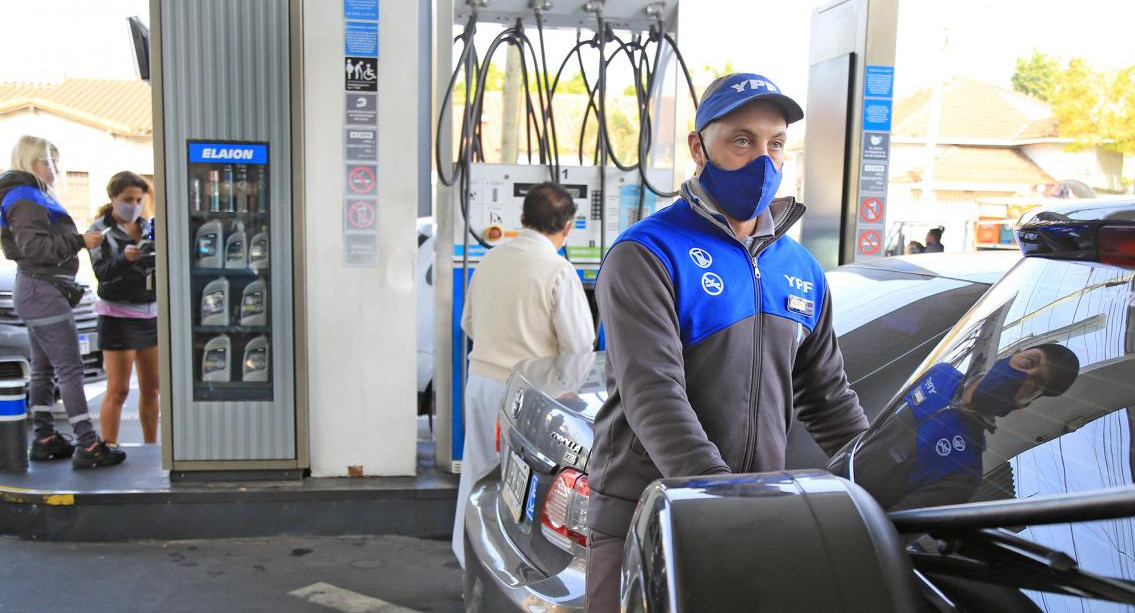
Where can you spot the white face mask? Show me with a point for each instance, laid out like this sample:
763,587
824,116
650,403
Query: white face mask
129,212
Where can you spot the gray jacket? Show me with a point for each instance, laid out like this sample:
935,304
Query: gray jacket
711,346
36,232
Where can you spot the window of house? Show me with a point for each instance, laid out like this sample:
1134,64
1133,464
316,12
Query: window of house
75,196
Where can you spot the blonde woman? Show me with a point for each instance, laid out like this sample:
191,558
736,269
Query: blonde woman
127,306
38,234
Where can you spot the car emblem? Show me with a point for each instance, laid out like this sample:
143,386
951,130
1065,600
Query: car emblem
517,403
943,447
712,284
568,444
701,257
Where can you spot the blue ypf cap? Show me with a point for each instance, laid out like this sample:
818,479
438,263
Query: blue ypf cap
727,94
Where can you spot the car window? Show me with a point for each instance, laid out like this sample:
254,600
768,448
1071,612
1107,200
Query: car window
879,315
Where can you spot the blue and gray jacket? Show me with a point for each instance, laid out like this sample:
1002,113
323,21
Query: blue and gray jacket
711,347
36,232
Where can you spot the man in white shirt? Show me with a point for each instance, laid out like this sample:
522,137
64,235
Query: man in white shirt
524,301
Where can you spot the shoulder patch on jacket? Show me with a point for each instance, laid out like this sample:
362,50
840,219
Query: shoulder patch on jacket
33,194
711,274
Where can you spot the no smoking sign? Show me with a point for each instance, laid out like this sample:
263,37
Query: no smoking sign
361,180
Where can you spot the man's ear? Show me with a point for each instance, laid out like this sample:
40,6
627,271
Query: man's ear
696,150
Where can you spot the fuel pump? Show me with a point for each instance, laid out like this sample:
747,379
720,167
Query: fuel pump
479,201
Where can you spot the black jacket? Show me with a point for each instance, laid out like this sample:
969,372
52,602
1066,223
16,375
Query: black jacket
120,280
36,232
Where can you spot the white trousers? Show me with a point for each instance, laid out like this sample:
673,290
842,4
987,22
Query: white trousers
483,400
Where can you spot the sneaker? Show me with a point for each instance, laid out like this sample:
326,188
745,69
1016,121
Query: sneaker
56,448
99,455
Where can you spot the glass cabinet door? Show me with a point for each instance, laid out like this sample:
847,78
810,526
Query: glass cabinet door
230,276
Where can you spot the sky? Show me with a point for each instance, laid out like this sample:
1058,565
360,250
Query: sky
45,40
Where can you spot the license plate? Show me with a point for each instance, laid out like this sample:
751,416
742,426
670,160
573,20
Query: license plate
84,344
516,484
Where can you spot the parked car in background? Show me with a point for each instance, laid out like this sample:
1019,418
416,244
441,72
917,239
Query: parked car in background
15,354
525,528
999,477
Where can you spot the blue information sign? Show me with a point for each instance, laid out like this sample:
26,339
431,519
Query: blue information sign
879,82
239,153
363,10
876,115
361,39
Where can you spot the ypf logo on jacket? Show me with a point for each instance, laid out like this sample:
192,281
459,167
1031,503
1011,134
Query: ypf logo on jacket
714,279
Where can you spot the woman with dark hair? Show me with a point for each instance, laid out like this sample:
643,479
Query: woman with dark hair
39,235
127,306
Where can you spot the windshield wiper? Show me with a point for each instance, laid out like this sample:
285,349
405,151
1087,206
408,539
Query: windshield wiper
1002,558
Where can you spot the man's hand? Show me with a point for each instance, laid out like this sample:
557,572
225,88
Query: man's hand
92,239
131,253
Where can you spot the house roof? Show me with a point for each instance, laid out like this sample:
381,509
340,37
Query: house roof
973,110
121,107
989,165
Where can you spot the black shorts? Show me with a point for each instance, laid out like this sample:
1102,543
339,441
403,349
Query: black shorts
125,333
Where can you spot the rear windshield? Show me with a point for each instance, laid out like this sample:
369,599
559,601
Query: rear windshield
881,314
1031,394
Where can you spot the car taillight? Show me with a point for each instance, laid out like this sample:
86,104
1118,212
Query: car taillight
1116,246
497,435
564,518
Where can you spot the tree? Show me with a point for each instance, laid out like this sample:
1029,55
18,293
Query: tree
1035,76
1092,107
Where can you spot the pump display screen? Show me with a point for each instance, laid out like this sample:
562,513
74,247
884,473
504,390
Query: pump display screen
230,210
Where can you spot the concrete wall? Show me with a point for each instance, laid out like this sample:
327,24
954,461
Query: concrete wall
361,321
1098,168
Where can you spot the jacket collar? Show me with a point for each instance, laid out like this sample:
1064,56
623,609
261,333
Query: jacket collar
782,214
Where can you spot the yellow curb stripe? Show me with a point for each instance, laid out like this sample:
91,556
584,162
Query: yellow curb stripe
23,496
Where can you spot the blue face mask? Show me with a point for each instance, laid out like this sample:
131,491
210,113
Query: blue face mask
743,193
997,392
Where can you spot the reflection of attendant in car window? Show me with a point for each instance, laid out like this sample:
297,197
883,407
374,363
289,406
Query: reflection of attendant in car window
929,451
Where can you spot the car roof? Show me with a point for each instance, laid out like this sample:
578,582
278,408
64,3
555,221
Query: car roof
1096,209
974,267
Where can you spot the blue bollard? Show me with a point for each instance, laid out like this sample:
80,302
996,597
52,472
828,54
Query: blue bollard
13,427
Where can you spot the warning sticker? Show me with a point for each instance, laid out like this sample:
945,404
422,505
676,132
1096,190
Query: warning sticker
871,210
361,214
869,242
361,180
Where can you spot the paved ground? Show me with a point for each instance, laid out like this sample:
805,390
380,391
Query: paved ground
388,574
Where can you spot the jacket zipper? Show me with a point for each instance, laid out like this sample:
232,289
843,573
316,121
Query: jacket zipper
754,387
791,215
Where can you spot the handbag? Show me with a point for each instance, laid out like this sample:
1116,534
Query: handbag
71,289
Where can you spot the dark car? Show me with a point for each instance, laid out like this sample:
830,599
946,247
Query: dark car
15,355
998,478
525,528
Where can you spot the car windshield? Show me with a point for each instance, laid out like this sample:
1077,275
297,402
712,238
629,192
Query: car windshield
1030,394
